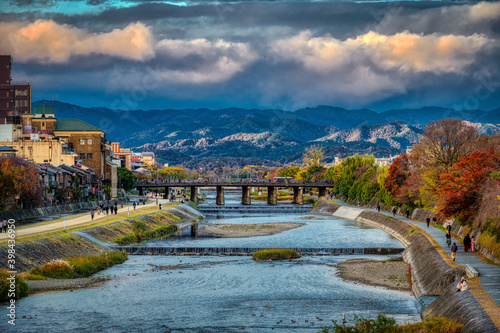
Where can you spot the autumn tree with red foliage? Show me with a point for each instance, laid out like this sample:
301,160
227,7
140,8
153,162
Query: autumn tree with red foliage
460,193
398,173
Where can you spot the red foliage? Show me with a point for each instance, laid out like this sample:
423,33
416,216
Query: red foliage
398,174
460,195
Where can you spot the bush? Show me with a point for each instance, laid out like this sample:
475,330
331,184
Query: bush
79,266
275,254
158,232
57,269
383,324
21,287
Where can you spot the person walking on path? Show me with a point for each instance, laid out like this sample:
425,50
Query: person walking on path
92,214
394,212
428,220
159,206
116,209
466,243
448,239
407,213
472,244
448,228
454,249
4,225
378,208
134,205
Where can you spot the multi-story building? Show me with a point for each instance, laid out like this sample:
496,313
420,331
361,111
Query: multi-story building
15,97
124,154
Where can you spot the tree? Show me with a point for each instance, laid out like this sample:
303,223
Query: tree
30,190
291,171
445,141
126,178
10,176
313,157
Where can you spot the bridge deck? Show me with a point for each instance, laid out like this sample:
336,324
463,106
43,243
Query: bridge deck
234,184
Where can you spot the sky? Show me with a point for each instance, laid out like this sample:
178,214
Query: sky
143,54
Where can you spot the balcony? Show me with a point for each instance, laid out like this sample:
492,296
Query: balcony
27,130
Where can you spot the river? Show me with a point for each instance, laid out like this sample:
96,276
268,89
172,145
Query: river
226,294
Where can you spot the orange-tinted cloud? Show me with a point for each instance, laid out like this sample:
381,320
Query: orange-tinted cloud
49,42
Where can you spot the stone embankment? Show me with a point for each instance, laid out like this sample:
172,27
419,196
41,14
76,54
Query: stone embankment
431,274
37,252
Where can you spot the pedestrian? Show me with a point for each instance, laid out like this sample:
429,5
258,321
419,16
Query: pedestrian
428,220
4,225
434,219
463,285
160,206
122,204
448,228
454,249
116,209
407,213
448,239
466,243
134,205
472,244
157,201
394,212
378,207
92,214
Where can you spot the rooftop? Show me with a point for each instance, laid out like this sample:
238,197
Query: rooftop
74,125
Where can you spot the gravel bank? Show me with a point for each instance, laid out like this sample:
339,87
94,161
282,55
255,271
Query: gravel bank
391,274
249,230
64,284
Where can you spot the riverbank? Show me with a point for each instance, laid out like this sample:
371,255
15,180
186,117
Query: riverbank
433,273
38,286
390,274
248,230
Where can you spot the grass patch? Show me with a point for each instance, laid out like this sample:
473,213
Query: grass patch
275,254
387,324
158,232
30,276
79,266
21,287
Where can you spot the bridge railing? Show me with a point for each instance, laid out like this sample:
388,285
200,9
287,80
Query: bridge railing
234,182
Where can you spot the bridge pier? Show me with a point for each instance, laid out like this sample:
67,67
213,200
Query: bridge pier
298,198
194,194
321,192
245,197
219,200
167,192
272,191
141,191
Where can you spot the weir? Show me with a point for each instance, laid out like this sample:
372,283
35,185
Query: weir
155,250
255,209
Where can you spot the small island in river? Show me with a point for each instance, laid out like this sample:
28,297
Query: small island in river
249,230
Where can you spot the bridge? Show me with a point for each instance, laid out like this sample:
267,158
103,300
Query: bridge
245,184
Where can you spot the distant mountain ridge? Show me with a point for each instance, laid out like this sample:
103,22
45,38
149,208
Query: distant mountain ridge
210,138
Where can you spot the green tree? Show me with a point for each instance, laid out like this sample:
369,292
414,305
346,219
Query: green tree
126,179
291,171
313,157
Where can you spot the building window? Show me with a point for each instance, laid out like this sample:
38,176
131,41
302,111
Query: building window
89,156
21,92
82,156
21,103
89,142
82,142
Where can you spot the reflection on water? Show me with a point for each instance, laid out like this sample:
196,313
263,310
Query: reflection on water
225,294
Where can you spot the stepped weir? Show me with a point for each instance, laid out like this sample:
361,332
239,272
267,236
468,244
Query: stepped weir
241,251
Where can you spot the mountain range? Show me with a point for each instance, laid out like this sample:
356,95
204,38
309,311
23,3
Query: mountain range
228,137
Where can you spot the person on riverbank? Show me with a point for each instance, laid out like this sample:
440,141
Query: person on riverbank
454,249
159,206
407,213
466,243
448,239
134,205
428,220
472,244
448,228
116,209
378,208
463,285
92,214
4,225
394,212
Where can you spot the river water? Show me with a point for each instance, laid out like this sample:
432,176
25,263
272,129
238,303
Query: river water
226,294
